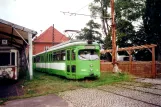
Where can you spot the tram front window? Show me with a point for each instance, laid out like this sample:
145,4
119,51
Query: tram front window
88,55
4,59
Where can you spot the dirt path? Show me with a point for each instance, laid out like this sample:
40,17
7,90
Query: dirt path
10,88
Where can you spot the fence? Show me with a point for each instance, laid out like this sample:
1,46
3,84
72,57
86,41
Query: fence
138,68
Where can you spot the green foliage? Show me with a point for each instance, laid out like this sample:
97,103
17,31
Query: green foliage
108,42
3,100
125,33
127,11
152,23
100,8
130,10
90,32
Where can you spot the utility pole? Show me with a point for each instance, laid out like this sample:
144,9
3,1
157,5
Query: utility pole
53,39
115,68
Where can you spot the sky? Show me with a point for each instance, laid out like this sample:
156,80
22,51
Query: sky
40,14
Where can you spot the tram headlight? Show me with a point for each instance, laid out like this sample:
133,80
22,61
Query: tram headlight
83,70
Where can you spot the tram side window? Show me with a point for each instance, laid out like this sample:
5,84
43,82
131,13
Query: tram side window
46,58
58,56
54,56
63,55
42,59
68,54
51,57
34,59
73,55
13,58
73,68
38,59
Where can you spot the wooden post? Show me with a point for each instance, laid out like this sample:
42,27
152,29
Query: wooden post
113,37
153,63
130,59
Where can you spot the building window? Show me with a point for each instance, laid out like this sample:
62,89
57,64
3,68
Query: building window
46,48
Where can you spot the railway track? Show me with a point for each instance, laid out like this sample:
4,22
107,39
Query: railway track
144,85
148,90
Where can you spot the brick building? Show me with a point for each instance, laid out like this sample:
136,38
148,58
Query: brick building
48,38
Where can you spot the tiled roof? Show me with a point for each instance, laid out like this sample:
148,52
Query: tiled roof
47,36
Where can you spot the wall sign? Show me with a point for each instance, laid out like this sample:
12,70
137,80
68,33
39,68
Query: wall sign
4,42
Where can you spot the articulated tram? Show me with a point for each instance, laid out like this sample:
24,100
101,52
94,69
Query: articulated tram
9,68
72,59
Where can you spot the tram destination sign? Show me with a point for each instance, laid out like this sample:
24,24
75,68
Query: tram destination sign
90,47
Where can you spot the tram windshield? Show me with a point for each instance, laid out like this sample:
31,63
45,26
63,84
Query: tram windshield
4,59
7,58
88,54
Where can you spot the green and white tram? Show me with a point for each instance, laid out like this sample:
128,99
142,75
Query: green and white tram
72,59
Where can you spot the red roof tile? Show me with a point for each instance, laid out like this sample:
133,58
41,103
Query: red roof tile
47,36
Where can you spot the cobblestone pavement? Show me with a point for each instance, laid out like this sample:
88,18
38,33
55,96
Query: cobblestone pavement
125,94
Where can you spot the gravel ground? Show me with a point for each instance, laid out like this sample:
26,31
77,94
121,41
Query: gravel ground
118,95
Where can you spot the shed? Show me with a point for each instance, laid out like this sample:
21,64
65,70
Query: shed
18,37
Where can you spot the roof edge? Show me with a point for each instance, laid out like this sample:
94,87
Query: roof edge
18,27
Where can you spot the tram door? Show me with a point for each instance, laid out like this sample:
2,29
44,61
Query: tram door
68,63
71,63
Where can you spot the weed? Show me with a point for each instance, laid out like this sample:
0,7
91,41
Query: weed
43,83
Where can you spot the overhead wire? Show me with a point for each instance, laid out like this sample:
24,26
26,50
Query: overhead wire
82,7
75,14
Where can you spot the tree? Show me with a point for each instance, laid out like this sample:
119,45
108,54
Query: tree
100,7
90,32
130,10
152,24
127,12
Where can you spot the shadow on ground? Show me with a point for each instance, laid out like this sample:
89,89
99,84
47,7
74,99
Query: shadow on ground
10,88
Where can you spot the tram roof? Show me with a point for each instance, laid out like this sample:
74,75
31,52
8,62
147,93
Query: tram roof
66,44
9,31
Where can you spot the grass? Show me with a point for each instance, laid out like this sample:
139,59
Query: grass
43,84
2,101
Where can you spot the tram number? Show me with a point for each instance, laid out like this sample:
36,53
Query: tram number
89,47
